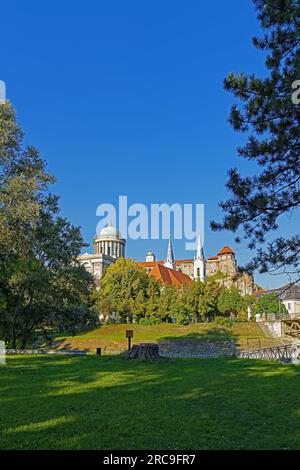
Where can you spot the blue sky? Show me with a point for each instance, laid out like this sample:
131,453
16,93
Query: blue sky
126,98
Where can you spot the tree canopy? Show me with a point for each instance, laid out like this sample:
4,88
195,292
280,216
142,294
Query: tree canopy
270,303
127,293
41,285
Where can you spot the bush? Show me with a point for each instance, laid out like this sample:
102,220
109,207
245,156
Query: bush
224,321
149,321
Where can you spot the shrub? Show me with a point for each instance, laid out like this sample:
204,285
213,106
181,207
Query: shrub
224,321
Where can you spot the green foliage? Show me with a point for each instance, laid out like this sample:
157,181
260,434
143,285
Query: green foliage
127,294
224,321
270,119
208,300
270,303
231,302
149,321
40,284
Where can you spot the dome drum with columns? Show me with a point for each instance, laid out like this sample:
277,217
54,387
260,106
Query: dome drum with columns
108,247
109,242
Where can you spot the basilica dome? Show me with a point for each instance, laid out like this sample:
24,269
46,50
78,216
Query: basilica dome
109,231
109,242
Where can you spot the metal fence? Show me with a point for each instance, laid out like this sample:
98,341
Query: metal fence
284,353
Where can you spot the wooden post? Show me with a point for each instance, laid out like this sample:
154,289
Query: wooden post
129,335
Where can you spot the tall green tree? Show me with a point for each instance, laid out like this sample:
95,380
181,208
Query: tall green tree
208,300
269,303
270,119
167,302
231,302
40,283
191,294
123,289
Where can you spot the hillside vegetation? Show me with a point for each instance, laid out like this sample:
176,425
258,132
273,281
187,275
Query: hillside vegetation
112,340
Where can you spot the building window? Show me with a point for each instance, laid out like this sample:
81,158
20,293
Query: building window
289,307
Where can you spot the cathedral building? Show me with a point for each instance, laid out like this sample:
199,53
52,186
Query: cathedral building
201,268
109,246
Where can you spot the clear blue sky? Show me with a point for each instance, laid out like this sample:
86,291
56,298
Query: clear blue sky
126,98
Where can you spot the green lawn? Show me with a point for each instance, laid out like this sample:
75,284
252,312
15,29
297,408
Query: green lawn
52,402
112,337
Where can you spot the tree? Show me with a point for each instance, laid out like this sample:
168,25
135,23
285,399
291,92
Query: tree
231,302
153,294
191,294
270,303
181,312
168,300
208,300
41,285
271,121
123,289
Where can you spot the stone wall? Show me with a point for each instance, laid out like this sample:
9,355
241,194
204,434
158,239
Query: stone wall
225,264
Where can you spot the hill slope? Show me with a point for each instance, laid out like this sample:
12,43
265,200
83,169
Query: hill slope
170,337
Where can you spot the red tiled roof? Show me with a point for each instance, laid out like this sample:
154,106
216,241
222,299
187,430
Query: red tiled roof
182,261
212,258
259,292
149,264
169,276
226,250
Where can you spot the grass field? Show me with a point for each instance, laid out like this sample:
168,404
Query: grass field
55,402
111,338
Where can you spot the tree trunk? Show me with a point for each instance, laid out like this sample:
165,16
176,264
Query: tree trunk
13,337
144,351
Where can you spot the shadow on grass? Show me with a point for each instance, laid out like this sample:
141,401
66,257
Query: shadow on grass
62,345
214,341
112,403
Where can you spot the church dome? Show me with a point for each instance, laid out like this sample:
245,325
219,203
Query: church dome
110,231
150,257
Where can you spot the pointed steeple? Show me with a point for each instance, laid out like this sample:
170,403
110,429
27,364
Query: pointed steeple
199,261
170,261
200,254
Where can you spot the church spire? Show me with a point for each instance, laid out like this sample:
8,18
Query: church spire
170,261
200,254
199,261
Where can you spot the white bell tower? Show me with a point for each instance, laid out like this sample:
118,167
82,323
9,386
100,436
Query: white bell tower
199,262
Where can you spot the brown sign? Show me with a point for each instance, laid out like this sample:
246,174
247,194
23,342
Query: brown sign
129,333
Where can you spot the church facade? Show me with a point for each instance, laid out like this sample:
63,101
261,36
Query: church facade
109,246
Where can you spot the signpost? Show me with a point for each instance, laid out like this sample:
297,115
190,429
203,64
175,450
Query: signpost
129,335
